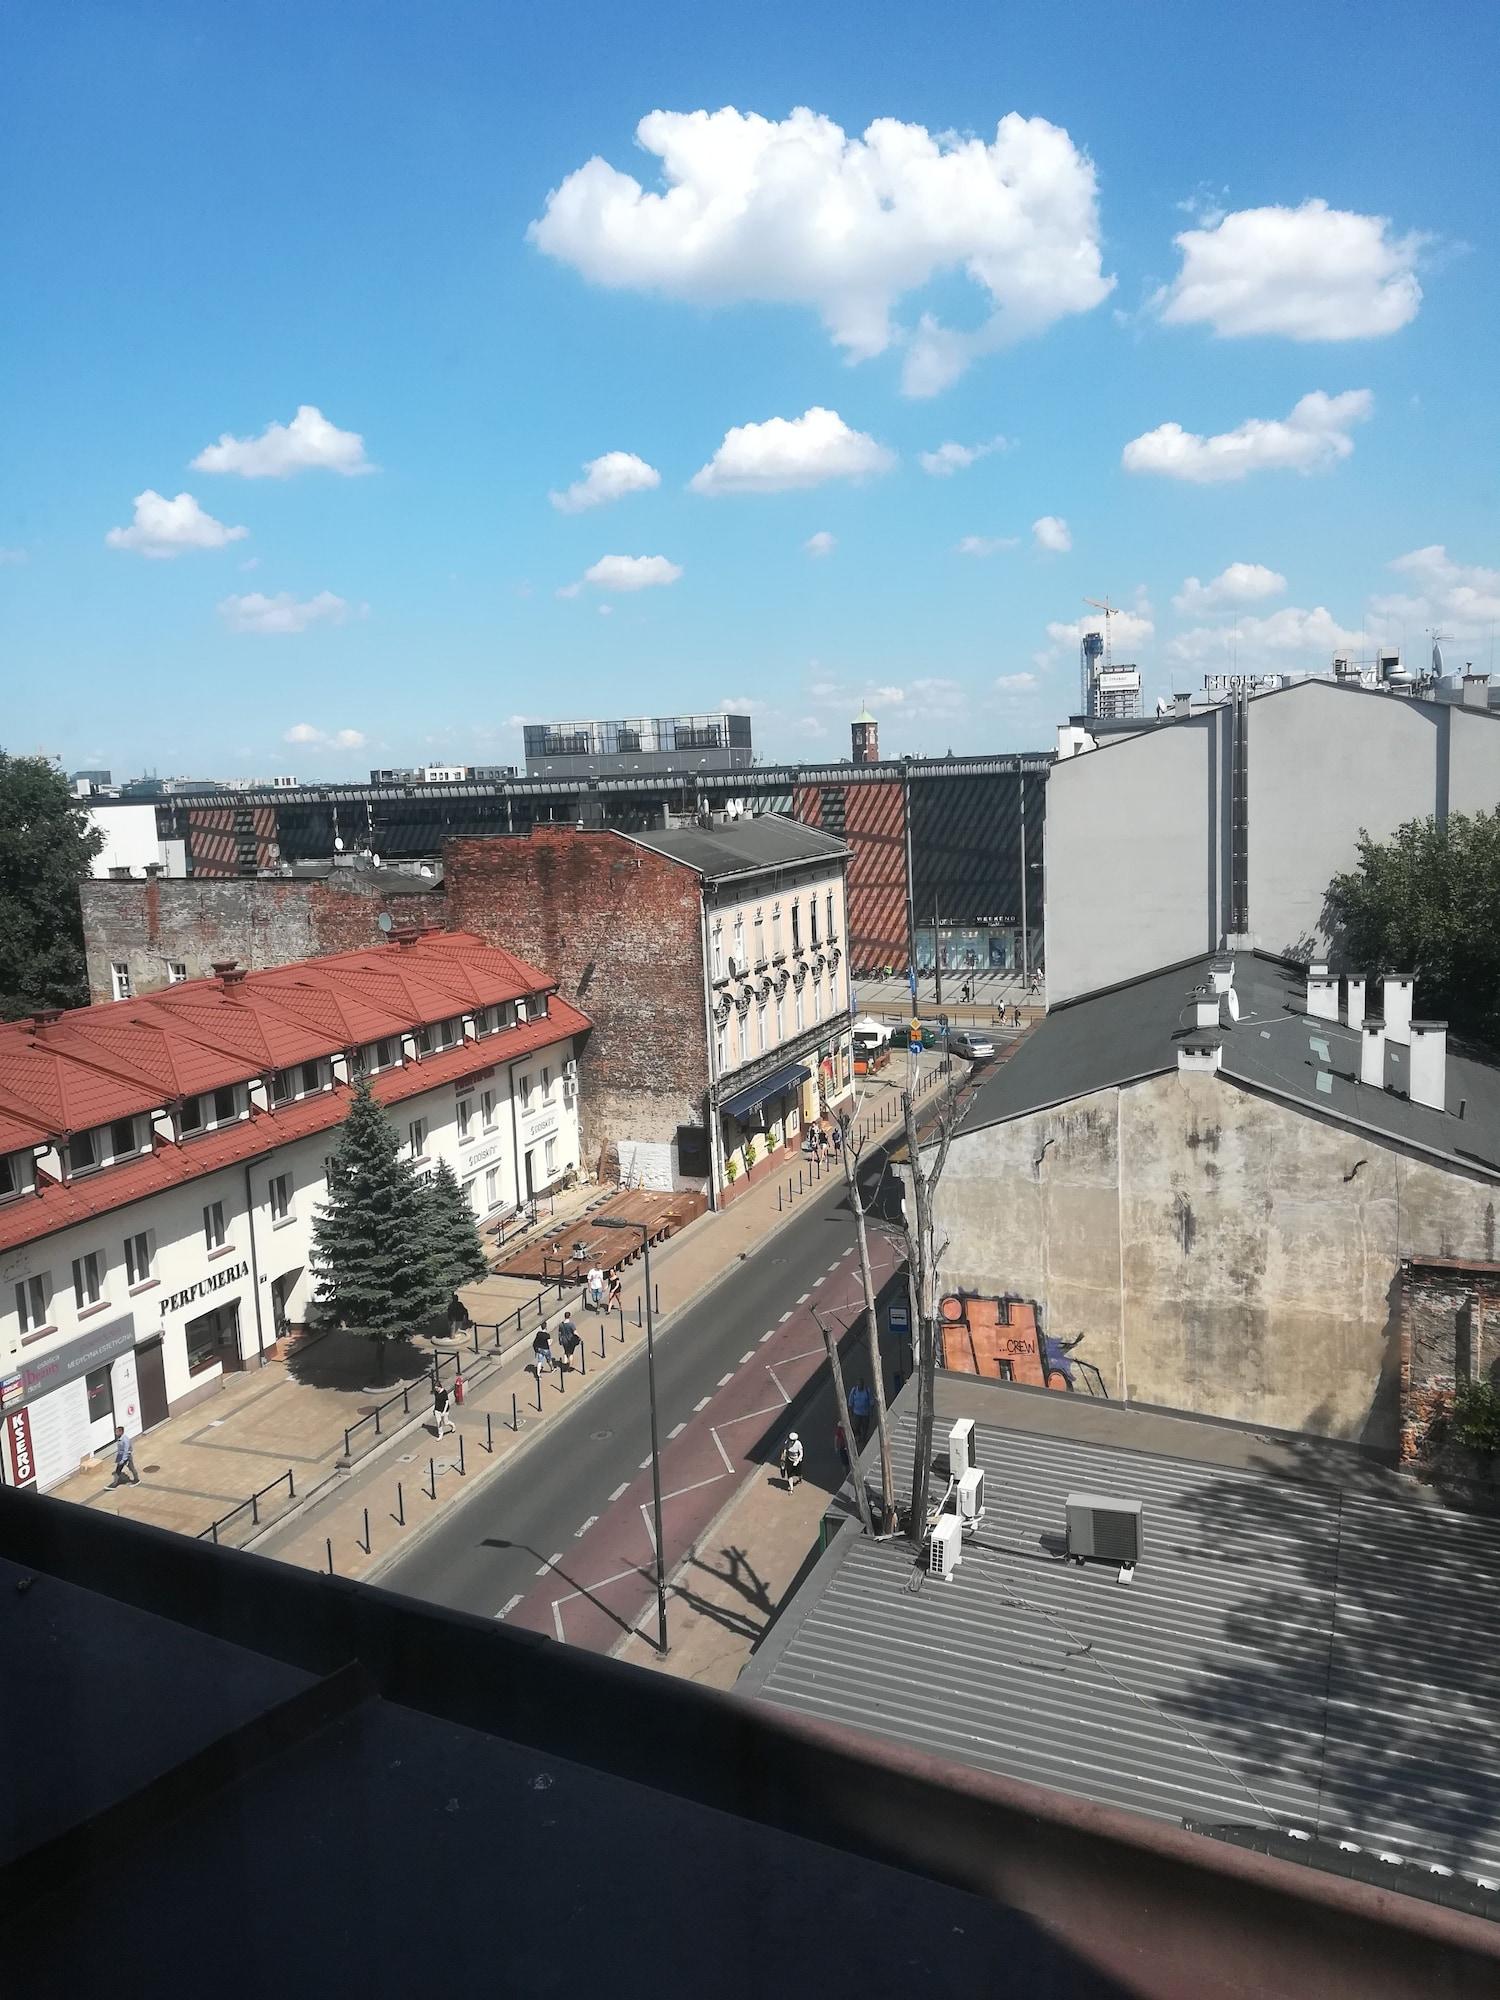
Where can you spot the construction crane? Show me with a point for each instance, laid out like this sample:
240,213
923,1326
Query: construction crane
1104,605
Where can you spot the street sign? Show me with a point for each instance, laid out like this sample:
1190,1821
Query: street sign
899,1319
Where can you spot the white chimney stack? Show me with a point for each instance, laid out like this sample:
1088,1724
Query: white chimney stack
1322,993
1203,1052
1207,1006
1397,989
1221,971
1372,1054
1354,1012
1429,1064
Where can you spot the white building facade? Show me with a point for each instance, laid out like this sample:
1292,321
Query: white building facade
145,1256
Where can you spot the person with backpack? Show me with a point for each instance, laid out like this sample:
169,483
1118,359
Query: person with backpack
791,1461
542,1358
568,1339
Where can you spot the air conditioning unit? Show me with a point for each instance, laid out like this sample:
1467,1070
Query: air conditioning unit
1104,1530
961,1447
570,1071
945,1547
971,1499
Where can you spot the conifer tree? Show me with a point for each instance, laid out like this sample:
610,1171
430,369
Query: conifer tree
378,1272
457,1251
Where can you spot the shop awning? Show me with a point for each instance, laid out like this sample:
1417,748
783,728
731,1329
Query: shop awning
769,1086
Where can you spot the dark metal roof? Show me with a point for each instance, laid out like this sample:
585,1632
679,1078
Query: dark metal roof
1132,1031
742,846
1299,1648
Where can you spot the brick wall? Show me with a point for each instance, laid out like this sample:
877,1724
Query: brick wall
1450,1333
262,922
872,819
620,930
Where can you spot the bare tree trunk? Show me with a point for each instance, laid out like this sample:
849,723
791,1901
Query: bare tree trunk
923,1258
836,1370
872,1339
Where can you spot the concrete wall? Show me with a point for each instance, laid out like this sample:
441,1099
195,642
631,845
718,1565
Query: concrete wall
620,930
260,921
130,839
1219,1252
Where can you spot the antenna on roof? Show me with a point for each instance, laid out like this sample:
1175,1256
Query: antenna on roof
384,921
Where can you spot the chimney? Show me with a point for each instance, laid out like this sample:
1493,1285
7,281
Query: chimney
1476,689
1322,992
1429,1064
1354,1012
1372,1053
224,965
1221,972
1397,989
232,975
44,1018
1182,704
1207,1010
1201,1051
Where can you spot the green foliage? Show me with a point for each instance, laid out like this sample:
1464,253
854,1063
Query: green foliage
1476,1417
46,846
378,1269
1427,901
455,1236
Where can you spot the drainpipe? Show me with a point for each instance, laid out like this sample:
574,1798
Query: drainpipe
515,1134
1025,933
260,1332
712,1106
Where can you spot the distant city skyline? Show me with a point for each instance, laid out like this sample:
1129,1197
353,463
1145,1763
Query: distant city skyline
459,370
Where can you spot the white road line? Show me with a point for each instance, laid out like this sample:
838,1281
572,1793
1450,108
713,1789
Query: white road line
803,1297
818,1280
703,1405
834,1265
712,1480
768,1336
743,1359
508,1606
579,1533
785,1317
644,1463
724,1379
676,1431
620,1491
557,1605
550,1564
728,1461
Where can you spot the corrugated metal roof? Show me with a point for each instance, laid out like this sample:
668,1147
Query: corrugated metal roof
1289,1653
743,845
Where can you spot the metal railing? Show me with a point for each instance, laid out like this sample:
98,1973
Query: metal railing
212,1532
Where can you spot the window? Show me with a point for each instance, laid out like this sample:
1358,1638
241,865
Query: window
122,1139
718,948
780,1019
546,1085
383,1055
798,1011
760,938
812,915
551,1157
439,1035
776,929
739,941
817,987
760,1024
213,1225
831,931
100,1395
721,1050
465,1120
416,1138
10,1178
281,1198
484,1021
176,971
491,1188
523,1087
119,974
226,1105
508,1014
796,925
140,1258
88,1280
33,1302
83,1153
96,1148
487,1112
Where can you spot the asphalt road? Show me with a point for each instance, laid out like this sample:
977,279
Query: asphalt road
490,1548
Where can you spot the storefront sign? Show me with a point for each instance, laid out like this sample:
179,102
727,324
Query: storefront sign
544,1128
18,1452
480,1156
217,1281
65,1364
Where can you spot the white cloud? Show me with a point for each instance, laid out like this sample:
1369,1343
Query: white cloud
1240,583
629,573
788,452
951,458
936,696
1285,641
608,478
308,443
1126,629
1013,684
606,611
1311,273
741,704
797,212
809,725
1052,534
282,614
1314,436
336,739
163,528
820,544
1459,599
13,558
987,545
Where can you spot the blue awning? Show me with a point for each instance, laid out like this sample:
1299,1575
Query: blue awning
769,1086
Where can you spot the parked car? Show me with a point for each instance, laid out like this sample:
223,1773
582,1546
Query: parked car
972,1043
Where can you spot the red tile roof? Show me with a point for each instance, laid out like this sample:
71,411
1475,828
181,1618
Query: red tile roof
58,1205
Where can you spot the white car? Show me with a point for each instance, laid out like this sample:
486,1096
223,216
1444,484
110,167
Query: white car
970,1042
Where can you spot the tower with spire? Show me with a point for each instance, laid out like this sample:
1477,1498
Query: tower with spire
864,733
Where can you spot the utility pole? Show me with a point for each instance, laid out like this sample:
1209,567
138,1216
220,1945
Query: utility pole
923,1255
872,1334
937,959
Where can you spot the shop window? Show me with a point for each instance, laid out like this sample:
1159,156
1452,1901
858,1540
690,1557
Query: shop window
551,1157
100,1395
212,1338
491,1188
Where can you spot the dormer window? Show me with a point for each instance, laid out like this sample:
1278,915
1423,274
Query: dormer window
212,1109
436,1035
301,1080
486,1021
16,1174
383,1055
103,1144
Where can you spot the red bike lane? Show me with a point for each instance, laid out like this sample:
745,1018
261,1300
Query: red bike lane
603,1584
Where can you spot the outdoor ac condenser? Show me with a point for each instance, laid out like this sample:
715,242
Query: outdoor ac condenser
944,1549
971,1499
1104,1530
961,1447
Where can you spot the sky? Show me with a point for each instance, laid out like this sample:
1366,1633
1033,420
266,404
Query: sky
377,378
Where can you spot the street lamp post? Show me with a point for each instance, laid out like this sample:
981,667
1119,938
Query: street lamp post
623,1222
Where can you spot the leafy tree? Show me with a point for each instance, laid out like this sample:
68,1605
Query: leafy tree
1427,901
455,1237
46,846
378,1271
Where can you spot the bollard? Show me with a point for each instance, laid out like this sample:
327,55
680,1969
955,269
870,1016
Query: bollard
621,1310
778,1196
400,1506
601,1341
515,1412
462,1468
799,1180
539,1389
638,1312
367,1531
583,1357
330,1555
432,1478
489,1431
656,1298
476,1340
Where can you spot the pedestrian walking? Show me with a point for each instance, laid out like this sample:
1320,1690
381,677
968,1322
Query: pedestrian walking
442,1417
542,1358
836,1139
841,1445
860,1404
568,1339
595,1282
612,1299
124,1460
791,1461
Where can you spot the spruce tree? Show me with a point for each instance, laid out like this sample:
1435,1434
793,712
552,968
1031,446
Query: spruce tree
454,1236
378,1273
47,847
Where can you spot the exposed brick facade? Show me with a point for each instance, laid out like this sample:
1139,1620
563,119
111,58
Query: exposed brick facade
872,819
261,922
1450,1334
620,930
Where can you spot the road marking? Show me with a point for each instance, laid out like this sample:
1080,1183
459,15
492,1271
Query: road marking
728,1461
508,1606
835,1264
702,1405
620,1491
803,1297
550,1564
579,1533
743,1359
768,1336
644,1463
723,1379
818,1280
785,1317
676,1431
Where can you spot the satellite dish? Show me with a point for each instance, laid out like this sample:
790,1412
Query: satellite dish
374,860
338,844
1232,1002
1437,659
384,921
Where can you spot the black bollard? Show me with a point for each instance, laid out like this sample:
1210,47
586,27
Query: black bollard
432,1478
621,1311
400,1506
330,1555
539,1388
601,1337
489,1431
656,1298
462,1468
367,1531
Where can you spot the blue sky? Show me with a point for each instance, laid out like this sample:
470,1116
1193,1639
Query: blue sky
215,216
